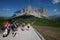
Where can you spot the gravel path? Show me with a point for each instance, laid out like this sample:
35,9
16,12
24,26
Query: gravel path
22,35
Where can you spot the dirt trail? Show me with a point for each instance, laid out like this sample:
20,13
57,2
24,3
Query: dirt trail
22,35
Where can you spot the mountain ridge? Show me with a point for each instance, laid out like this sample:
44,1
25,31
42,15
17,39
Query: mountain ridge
31,11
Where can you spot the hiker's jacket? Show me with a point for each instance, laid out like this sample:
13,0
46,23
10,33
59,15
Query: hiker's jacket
6,24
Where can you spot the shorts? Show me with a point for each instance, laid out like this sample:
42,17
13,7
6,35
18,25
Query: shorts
15,29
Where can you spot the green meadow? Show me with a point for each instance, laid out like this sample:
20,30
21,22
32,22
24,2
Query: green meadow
37,21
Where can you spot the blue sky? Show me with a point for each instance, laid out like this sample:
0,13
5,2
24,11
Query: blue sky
8,7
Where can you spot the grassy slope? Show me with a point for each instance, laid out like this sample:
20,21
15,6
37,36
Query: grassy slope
35,21
38,21
1,22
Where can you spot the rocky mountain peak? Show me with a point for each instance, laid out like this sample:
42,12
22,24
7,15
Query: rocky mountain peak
31,11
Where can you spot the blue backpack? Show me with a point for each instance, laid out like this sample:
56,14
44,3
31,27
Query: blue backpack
14,24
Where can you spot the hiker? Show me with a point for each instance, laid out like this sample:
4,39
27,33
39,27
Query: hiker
5,33
27,26
6,26
22,26
14,28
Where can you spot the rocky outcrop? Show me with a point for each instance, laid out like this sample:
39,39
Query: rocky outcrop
30,11
43,12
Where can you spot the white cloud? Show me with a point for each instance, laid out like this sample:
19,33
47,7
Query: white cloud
55,1
55,10
57,13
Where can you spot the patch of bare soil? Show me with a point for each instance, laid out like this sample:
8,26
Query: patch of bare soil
49,33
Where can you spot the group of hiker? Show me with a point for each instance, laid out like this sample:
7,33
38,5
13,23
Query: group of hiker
7,26
24,26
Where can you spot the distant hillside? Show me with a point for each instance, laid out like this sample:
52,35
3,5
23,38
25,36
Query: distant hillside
37,21
54,17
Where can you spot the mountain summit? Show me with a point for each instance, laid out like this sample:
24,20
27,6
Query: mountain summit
31,11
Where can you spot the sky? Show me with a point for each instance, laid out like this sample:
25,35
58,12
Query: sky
8,7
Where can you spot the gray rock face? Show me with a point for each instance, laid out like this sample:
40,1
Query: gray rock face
43,12
31,11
